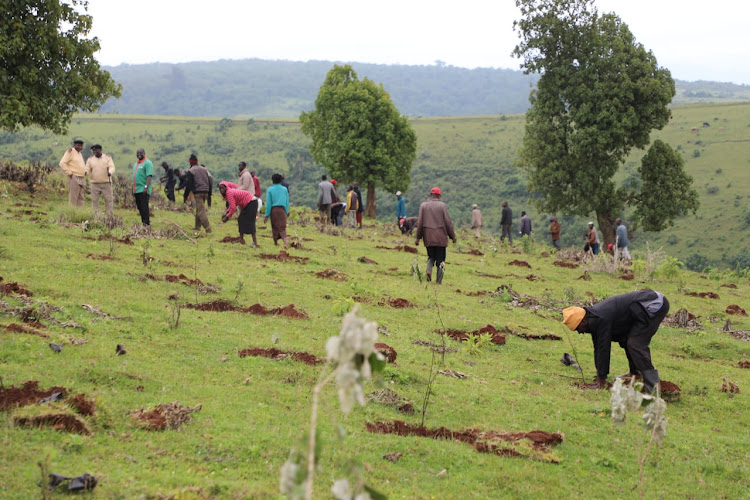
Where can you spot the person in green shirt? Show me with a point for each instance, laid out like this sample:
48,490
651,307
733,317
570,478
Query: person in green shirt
143,172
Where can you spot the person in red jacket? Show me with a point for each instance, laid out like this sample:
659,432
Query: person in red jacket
237,198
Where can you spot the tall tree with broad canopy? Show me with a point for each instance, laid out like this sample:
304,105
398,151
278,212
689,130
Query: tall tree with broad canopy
600,94
47,66
358,134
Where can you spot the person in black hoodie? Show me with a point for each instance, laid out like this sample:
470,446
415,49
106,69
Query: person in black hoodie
630,320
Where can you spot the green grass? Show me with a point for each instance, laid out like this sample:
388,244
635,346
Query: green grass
254,409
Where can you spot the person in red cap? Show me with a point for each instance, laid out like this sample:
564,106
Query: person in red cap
434,226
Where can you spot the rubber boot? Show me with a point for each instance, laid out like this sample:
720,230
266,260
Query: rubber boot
428,271
440,272
650,380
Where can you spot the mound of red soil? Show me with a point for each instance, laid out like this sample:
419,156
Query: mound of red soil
669,388
399,303
99,257
744,364
283,256
533,277
230,239
218,305
387,351
565,263
58,421
482,441
474,252
29,393
532,336
365,260
479,293
273,353
703,295
182,279
165,416
729,285
519,263
627,277
16,328
82,405
407,249
14,287
223,306
497,336
735,309
331,274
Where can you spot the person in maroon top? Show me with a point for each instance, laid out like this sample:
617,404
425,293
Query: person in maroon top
256,183
237,198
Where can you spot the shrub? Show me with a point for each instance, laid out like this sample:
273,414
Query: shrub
697,262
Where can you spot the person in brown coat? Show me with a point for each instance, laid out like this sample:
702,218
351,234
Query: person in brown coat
434,226
554,232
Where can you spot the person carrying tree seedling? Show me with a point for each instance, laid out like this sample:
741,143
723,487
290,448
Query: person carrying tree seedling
631,320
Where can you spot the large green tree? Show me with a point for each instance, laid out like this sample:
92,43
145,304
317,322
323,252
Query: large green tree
47,65
600,94
358,134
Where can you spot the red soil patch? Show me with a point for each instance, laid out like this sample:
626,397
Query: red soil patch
14,287
58,421
99,257
365,260
29,393
479,293
565,263
276,354
519,263
182,279
283,256
230,239
497,336
729,285
475,252
82,405
627,277
703,295
218,305
125,240
331,274
533,277
484,442
735,309
387,351
399,303
669,388
165,416
407,249
532,336
744,364
16,328
224,306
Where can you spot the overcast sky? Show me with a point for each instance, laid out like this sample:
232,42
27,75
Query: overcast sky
695,40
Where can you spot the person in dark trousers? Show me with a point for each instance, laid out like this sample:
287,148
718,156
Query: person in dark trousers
143,172
361,207
630,320
200,183
525,225
435,227
506,222
407,225
169,179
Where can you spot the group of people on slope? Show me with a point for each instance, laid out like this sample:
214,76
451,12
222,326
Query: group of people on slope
332,208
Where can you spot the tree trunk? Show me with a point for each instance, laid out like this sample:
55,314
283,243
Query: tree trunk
606,228
370,205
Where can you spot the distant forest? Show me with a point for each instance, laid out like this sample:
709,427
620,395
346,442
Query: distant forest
255,88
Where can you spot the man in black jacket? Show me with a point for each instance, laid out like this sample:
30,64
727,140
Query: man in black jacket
630,320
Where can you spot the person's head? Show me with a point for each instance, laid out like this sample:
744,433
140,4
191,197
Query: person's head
435,192
324,177
241,166
523,213
505,203
591,225
223,189
177,172
140,154
78,145
618,221
252,173
277,178
575,319
334,182
349,187
355,185
193,160
474,206
165,165
398,194
97,150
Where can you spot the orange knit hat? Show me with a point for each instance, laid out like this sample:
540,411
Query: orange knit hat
572,316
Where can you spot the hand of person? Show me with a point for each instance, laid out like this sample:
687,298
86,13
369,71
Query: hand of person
416,243
454,241
224,218
265,220
599,383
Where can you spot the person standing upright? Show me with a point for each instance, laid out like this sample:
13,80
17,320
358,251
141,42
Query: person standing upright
74,167
434,226
361,205
256,184
200,184
277,208
400,206
506,223
352,204
593,239
525,225
621,234
100,168
245,182
476,221
143,172
554,232
169,179
326,194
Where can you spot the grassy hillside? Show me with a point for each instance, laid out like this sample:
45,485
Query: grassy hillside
470,158
91,290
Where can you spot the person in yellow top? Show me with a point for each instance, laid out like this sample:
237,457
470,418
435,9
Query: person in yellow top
100,168
352,204
74,167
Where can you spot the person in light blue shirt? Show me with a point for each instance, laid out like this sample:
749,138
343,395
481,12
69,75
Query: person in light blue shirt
621,232
400,206
277,209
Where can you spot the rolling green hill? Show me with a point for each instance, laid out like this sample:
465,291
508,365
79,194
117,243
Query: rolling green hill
470,158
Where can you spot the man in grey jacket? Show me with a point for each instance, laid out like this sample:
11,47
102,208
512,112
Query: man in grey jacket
326,195
434,226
